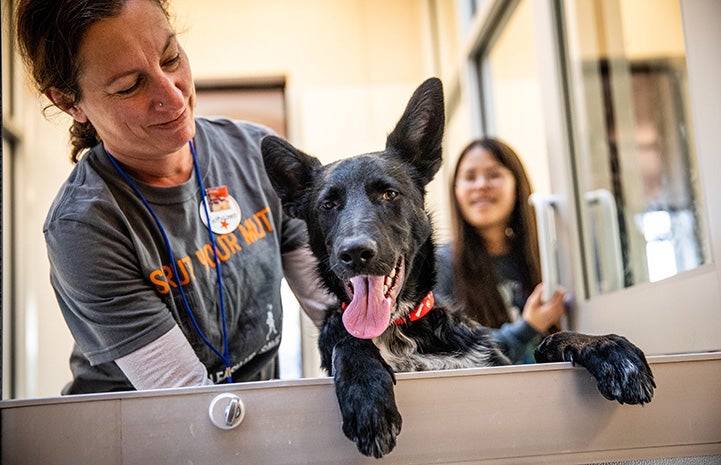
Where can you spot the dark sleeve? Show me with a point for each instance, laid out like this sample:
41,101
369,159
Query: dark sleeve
516,339
444,290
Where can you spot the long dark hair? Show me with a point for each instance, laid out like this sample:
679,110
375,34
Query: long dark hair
49,34
473,269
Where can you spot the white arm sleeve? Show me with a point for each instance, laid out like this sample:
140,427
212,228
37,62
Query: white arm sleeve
168,361
300,267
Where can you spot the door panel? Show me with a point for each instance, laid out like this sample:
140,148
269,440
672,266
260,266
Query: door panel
629,98
636,134
629,111
481,415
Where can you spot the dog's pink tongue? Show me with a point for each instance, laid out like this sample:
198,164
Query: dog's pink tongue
369,313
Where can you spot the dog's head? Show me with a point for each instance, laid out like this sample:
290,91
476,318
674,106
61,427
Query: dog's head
366,218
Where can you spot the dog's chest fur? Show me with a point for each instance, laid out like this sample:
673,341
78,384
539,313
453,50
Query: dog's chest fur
402,355
406,348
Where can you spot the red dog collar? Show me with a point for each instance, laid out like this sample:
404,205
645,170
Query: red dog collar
419,312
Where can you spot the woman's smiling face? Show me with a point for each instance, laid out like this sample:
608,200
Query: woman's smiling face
136,85
485,190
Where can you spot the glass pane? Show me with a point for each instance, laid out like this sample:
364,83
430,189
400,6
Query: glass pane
634,152
512,93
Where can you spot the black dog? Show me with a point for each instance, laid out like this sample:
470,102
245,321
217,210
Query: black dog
368,228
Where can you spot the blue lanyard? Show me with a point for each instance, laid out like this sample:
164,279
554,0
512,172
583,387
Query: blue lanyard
225,356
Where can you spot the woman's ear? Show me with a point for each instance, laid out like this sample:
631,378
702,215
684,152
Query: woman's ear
65,102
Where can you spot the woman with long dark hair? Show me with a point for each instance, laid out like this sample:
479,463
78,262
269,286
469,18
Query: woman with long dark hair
491,268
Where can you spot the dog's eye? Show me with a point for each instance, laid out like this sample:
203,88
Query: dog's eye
390,195
327,205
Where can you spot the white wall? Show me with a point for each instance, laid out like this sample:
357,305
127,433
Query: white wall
350,65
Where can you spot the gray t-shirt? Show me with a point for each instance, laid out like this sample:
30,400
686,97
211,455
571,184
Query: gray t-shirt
112,275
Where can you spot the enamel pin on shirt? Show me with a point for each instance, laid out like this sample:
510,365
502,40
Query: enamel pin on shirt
224,210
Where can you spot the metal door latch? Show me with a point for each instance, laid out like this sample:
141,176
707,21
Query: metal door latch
226,411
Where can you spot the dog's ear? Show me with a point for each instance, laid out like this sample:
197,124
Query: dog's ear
290,172
419,132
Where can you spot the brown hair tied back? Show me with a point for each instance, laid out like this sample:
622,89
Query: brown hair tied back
49,35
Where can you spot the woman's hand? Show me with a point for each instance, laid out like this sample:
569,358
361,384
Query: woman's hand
542,315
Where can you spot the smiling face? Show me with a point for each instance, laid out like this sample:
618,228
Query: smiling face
366,211
130,64
486,192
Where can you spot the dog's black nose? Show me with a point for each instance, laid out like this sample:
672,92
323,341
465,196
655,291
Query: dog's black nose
357,252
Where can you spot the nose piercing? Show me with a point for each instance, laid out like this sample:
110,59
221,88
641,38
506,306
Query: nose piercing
160,104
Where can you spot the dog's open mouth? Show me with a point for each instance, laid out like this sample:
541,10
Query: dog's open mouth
372,302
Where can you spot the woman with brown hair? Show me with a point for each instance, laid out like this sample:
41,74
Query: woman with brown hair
158,288
491,268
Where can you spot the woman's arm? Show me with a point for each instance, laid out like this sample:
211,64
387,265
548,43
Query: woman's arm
300,268
167,362
514,339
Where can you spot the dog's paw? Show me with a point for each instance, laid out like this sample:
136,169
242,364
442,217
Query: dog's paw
619,367
364,386
373,427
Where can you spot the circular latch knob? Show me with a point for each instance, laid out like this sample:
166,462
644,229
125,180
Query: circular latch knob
226,411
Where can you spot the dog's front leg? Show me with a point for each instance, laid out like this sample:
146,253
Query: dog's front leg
364,388
620,368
